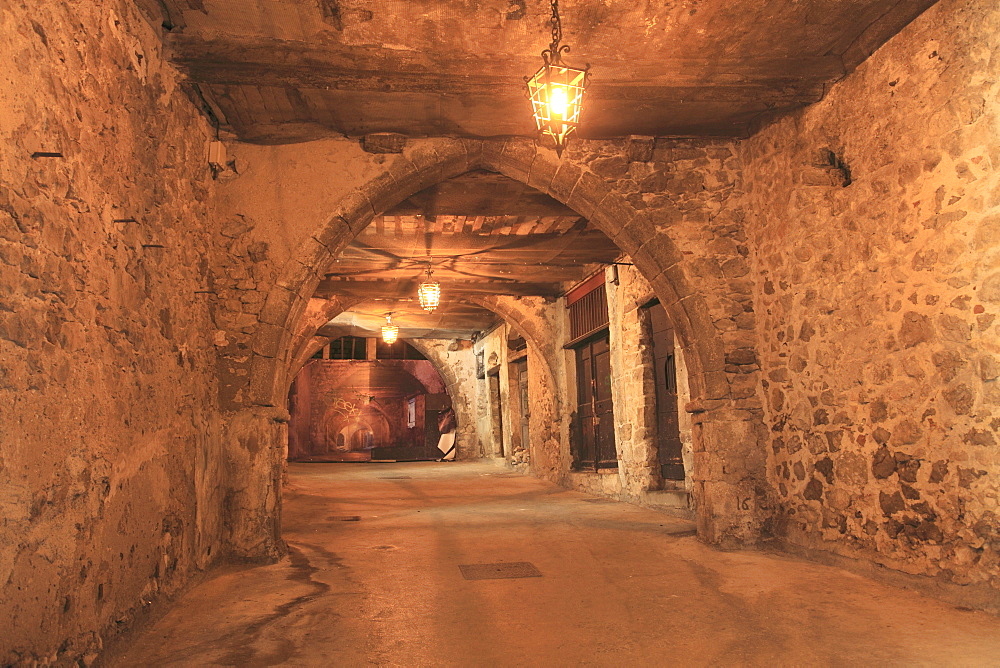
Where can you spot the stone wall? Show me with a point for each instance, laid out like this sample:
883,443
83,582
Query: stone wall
495,353
456,362
843,265
875,230
634,387
111,461
544,446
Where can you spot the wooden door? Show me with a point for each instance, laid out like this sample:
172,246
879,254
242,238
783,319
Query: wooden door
595,412
522,383
497,414
668,435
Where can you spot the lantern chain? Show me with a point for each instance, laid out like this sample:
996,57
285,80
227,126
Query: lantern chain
556,27
553,54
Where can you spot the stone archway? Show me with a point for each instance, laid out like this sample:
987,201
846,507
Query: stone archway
531,318
517,312
730,489
633,231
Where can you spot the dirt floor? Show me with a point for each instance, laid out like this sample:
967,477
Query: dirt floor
373,577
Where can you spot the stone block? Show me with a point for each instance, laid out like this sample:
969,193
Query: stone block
639,148
278,307
355,208
492,152
726,515
516,158
270,340
663,250
267,382
473,151
715,385
383,142
564,180
383,193
588,194
314,256
335,235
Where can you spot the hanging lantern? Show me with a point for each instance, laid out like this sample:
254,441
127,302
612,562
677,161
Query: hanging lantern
556,90
390,332
429,292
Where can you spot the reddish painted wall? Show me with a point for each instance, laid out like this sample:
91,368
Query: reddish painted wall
334,397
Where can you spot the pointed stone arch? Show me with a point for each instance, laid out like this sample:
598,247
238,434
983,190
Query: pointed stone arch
632,230
307,343
730,490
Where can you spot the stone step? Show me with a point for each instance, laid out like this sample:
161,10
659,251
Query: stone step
669,498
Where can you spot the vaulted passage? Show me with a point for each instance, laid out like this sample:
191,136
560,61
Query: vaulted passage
262,261
381,571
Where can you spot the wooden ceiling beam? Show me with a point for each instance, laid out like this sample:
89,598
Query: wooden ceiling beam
401,290
472,194
269,62
434,114
472,242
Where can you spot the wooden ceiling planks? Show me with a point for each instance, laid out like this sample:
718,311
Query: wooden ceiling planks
660,69
473,255
277,72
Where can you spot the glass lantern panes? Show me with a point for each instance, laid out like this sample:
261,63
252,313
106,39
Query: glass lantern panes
556,93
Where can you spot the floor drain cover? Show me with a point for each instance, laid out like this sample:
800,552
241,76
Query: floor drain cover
514,569
599,500
396,477
344,518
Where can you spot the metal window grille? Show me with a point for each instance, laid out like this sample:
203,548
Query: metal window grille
589,313
349,348
400,350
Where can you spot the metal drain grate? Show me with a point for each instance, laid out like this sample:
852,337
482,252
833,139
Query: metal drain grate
501,571
396,477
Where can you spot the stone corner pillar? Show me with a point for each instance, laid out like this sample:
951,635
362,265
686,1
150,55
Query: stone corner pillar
256,438
730,490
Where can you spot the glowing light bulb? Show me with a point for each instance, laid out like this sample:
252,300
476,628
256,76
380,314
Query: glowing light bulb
390,332
558,101
429,293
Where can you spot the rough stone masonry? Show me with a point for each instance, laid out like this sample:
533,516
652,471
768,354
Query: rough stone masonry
833,281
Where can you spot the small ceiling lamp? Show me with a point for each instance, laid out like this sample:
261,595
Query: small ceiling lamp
390,332
429,292
556,90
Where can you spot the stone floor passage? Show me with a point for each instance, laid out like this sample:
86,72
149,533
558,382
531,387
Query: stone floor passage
620,587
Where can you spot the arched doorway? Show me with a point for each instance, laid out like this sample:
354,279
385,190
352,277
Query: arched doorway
349,403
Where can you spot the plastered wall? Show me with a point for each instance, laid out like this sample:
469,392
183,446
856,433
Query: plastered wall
334,397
